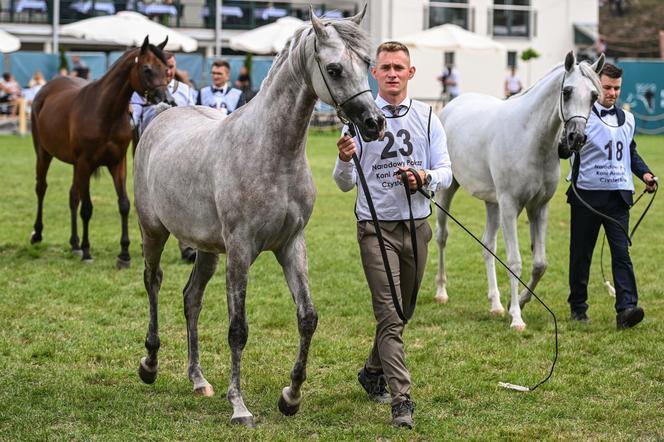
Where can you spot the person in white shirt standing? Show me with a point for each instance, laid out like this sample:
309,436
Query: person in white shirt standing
220,95
143,114
512,83
414,140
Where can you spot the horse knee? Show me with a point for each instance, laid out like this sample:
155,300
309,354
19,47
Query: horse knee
238,332
516,266
308,322
441,236
124,206
86,210
40,187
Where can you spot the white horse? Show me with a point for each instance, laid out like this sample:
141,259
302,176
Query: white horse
504,152
242,185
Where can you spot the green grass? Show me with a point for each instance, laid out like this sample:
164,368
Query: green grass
72,334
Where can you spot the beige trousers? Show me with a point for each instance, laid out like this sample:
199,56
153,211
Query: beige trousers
387,355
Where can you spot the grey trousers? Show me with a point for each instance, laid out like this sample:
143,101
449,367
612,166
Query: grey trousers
387,355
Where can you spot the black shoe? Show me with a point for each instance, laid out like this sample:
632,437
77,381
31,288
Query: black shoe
580,317
402,414
189,254
629,317
375,386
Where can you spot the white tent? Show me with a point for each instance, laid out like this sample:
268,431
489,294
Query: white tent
8,43
480,61
267,39
451,37
128,28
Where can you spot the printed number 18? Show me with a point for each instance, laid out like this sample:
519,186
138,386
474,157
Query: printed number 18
619,150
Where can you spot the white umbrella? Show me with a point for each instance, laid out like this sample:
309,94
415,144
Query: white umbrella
450,37
267,39
8,43
128,28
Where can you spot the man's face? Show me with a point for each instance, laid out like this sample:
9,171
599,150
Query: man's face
611,90
220,75
170,69
393,71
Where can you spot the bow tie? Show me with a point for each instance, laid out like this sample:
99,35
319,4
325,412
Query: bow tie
604,112
215,90
393,109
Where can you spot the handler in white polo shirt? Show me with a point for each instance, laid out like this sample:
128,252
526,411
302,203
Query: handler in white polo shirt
414,138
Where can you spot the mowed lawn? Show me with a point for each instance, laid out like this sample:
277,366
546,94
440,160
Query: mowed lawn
72,334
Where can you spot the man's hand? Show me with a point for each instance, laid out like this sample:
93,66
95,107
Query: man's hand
346,147
651,182
412,182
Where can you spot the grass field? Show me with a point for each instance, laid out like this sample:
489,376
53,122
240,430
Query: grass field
72,334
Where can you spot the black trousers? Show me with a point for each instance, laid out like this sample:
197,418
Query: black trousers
584,230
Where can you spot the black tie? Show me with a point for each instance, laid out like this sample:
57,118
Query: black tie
604,112
215,90
393,109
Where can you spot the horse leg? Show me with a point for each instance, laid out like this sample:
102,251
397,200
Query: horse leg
293,259
204,268
538,222
82,182
442,232
74,240
489,239
119,174
508,216
153,245
238,260
43,162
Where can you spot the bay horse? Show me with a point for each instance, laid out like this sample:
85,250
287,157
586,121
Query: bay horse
242,185
505,152
87,125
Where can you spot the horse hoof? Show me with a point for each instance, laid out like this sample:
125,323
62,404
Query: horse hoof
205,390
87,260
286,408
35,238
497,311
441,299
247,421
147,375
122,263
518,327
77,252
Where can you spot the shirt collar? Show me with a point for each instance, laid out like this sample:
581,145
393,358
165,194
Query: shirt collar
599,107
381,102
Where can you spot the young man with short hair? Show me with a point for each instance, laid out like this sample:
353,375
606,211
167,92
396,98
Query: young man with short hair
414,138
220,95
602,173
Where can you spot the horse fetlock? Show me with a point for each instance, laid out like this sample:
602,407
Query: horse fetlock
35,237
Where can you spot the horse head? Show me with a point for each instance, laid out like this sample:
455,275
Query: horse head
579,91
341,78
148,77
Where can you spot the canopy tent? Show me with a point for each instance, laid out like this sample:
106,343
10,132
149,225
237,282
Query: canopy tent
8,43
451,37
128,28
267,39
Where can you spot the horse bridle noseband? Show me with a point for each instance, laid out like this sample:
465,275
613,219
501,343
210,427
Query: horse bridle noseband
337,106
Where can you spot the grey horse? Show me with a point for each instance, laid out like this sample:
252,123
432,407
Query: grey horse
242,185
508,158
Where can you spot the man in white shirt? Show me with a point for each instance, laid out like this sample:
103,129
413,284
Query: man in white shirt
602,174
512,83
414,138
220,95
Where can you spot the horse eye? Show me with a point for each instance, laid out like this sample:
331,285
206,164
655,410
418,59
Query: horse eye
147,71
567,92
334,70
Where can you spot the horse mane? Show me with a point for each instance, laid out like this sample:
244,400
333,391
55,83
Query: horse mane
586,70
355,38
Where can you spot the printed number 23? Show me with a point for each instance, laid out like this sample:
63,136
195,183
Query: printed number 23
619,150
407,150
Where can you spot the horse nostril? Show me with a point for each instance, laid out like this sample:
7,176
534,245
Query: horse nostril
371,123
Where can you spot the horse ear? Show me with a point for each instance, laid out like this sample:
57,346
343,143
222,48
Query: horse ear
358,17
318,25
146,44
599,64
570,61
162,45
